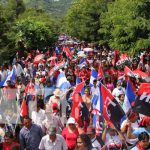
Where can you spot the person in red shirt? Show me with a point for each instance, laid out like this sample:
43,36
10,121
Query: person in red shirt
70,134
9,143
84,74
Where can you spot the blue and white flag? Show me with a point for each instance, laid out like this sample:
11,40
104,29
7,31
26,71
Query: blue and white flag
97,111
82,62
57,51
62,82
77,82
94,75
10,76
129,97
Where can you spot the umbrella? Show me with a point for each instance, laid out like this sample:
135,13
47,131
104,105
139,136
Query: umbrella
38,58
56,67
88,49
51,58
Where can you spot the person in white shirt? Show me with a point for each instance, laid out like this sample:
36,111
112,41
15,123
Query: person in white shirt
38,115
92,135
112,137
3,73
119,89
95,88
53,141
19,69
132,118
52,120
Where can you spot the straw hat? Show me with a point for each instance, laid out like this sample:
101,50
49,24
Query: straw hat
57,92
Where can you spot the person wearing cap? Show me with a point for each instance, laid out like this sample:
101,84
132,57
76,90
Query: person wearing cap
92,135
53,141
70,133
132,121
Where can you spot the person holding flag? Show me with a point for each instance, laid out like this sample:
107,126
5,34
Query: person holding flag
132,120
112,137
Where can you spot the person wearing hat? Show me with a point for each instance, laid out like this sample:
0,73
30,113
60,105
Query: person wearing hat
92,135
54,99
53,141
70,133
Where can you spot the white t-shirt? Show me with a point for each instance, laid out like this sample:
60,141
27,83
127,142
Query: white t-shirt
133,126
112,140
38,117
95,90
95,143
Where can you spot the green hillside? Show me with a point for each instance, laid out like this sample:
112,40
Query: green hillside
57,8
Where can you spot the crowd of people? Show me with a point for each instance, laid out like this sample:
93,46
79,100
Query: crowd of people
36,110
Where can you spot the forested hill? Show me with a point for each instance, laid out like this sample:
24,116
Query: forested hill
57,8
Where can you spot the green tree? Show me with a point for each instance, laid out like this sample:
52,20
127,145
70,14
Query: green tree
13,8
34,29
83,19
126,25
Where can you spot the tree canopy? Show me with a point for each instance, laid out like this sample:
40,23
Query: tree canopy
118,23
126,25
23,29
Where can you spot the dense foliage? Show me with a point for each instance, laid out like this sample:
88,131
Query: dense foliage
27,24
126,25
23,29
119,23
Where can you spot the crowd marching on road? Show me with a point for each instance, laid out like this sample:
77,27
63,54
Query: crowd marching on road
76,96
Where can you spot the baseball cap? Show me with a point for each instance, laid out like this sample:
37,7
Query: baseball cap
71,121
52,131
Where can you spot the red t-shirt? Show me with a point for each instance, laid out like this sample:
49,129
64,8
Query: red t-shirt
70,138
10,147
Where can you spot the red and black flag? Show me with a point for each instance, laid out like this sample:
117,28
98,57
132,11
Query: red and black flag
112,111
142,103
